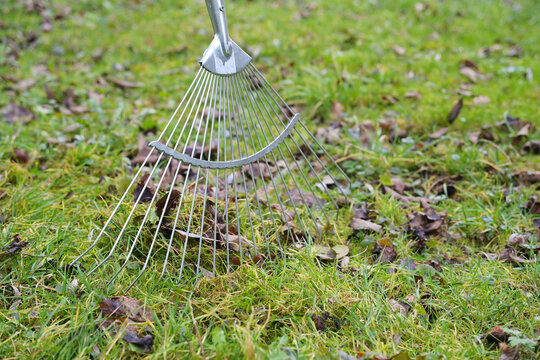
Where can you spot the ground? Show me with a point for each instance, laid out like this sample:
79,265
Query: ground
434,101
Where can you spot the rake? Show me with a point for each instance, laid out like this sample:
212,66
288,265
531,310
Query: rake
234,176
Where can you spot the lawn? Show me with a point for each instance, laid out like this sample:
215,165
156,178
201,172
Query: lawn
431,108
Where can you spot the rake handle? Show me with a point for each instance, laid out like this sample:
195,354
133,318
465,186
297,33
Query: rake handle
218,17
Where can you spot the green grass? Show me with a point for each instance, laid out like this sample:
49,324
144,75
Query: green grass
316,53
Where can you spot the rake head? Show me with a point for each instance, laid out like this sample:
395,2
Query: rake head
234,176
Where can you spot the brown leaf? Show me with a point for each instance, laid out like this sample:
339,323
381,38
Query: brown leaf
145,342
257,170
394,194
398,50
439,133
509,255
384,252
144,190
360,224
144,150
24,85
531,147
337,110
398,184
124,84
469,73
454,113
402,308
15,245
298,197
331,134
413,94
14,113
508,352
468,63
170,200
21,156
481,100
324,321
125,313
528,177
495,336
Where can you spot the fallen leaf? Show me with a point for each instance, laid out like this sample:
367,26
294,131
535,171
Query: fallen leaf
256,171
341,251
398,50
454,113
331,134
468,63
360,224
145,342
439,133
413,94
508,352
14,246
170,199
337,110
528,177
14,113
469,73
297,197
324,252
480,100
531,147
24,85
401,308
324,321
144,191
21,156
384,252
143,151
124,84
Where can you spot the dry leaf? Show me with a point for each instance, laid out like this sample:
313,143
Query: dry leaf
124,84
144,190
439,133
21,156
413,94
454,113
398,50
469,73
360,224
480,100
14,113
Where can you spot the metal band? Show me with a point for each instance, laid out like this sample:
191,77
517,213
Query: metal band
231,163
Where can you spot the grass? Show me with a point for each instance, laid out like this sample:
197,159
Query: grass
318,54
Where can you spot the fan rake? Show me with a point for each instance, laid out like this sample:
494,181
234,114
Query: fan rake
234,176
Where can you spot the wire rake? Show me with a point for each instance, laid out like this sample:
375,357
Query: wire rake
234,176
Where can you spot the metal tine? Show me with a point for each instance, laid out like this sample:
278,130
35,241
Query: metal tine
206,176
226,179
217,175
196,184
325,189
135,241
260,76
236,96
279,172
304,156
135,204
166,205
292,174
183,188
234,175
195,83
246,106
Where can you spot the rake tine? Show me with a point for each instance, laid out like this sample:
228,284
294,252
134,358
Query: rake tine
196,184
236,80
291,174
233,83
321,206
217,175
146,217
260,76
282,179
184,186
305,158
195,83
